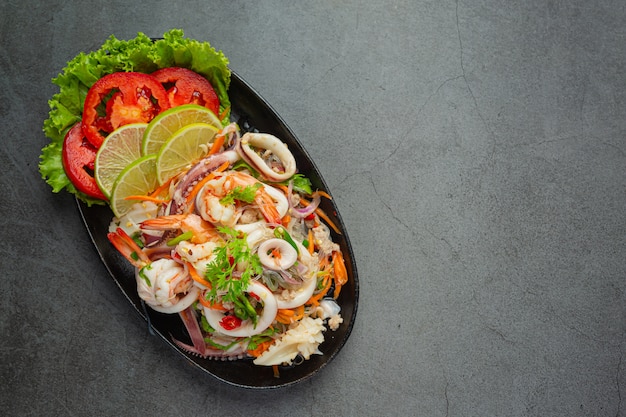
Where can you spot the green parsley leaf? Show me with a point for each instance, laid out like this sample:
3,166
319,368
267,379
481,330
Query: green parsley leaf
242,194
220,271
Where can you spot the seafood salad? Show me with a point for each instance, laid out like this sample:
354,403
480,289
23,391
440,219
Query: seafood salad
238,247
220,226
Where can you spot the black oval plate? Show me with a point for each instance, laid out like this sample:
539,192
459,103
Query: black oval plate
252,113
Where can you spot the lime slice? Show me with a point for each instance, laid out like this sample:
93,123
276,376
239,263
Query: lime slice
187,146
163,126
119,149
138,178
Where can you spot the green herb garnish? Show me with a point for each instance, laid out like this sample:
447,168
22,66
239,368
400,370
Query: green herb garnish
245,194
220,272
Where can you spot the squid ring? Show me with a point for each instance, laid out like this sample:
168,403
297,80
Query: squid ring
275,146
286,257
247,328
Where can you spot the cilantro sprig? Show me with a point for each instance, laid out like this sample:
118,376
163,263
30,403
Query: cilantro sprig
245,194
221,271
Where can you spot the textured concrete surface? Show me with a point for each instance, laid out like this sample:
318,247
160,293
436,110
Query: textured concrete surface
476,152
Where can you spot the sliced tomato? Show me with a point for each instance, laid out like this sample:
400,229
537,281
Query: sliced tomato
79,156
185,86
121,98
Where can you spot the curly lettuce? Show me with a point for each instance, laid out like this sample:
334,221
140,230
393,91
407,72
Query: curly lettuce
142,54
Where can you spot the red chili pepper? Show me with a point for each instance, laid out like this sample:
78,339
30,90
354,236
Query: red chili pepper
78,162
121,98
253,295
230,322
185,86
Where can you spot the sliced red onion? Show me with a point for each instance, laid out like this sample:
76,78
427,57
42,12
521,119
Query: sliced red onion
302,212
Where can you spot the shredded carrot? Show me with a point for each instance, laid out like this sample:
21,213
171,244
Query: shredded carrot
311,247
286,312
299,313
315,298
196,188
323,263
285,220
339,267
145,198
290,315
282,187
212,306
262,347
340,272
323,194
276,371
323,215
219,141
162,188
284,316
196,277
337,291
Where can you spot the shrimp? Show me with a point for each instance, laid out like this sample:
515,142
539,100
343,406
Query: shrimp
198,250
127,247
164,284
202,231
215,211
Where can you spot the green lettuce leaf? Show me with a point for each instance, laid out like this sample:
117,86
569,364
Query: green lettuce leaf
141,54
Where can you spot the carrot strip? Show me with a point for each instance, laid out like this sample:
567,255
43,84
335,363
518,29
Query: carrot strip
299,313
213,306
323,263
323,194
339,268
284,316
200,184
196,277
162,188
323,215
219,141
145,198
315,298
282,188
285,220
311,247
290,315
262,347
340,272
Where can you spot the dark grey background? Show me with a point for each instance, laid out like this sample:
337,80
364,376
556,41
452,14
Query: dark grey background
475,150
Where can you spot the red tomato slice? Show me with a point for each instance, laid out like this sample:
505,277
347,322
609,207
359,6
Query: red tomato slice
185,86
78,161
121,98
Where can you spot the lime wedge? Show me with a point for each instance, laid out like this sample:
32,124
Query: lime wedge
186,147
163,126
138,178
120,148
